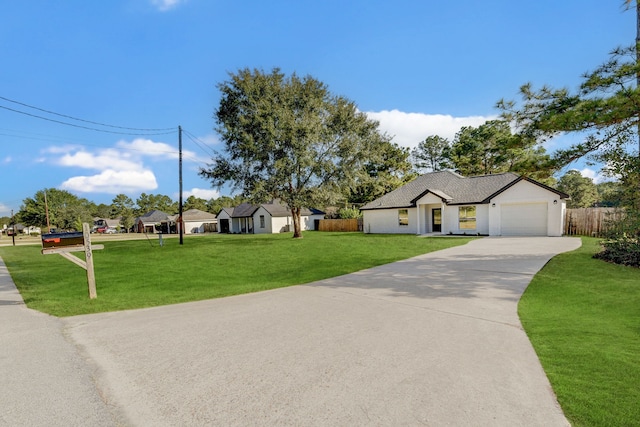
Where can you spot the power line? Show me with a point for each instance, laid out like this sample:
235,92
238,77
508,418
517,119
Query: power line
77,142
86,127
210,151
81,120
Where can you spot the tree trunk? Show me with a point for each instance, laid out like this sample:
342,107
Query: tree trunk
637,196
297,232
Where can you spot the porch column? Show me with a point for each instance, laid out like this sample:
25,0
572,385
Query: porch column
418,214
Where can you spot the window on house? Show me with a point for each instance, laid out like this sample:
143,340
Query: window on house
467,217
403,217
261,221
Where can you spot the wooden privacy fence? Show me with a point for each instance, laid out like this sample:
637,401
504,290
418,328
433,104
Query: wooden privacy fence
340,225
590,221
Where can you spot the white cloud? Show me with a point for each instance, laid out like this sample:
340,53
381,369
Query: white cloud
408,129
165,5
113,182
596,176
202,193
147,147
119,170
159,150
103,160
209,139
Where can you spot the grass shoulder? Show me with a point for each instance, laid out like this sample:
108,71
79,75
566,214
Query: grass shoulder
582,315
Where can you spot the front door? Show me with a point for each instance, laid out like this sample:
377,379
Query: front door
436,220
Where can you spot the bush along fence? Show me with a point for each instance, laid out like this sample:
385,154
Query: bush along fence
341,224
590,221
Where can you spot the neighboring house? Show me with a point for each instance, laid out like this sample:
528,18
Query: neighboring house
152,222
272,217
197,221
32,229
444,202
17,228
101,225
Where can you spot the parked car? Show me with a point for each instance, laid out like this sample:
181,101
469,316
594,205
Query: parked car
111,230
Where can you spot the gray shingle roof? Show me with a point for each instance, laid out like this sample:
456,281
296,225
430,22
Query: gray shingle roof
244,210
197,215
275,209
452,188
154,216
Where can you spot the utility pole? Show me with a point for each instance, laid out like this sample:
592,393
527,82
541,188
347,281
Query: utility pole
46,210
180,222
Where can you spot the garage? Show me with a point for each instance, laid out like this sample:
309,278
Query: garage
524,219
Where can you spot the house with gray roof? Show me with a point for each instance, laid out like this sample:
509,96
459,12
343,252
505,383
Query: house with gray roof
197,221
154,221
445,202
272,217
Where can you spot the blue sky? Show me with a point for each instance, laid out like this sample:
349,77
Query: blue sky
419,67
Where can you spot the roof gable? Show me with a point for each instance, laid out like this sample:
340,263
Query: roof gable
560,194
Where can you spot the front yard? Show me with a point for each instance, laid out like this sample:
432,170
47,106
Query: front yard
136,274
582,316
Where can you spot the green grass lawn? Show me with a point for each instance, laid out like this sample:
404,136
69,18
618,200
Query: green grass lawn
583,318
136,274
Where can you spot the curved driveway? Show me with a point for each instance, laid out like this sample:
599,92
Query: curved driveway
433,340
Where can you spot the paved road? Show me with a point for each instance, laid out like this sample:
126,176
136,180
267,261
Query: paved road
44,381
434,340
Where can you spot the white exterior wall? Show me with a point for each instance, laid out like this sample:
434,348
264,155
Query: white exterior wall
272,225
268,226
385,221
452,220
191,227
280,223
223,215
526,192
308,222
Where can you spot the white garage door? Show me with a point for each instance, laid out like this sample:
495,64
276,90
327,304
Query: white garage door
524,219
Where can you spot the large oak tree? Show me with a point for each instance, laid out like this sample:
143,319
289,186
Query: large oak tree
289,138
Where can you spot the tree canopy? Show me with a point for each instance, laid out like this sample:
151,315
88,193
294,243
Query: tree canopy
66,210
289,138
582,190
122,207
605,109
486,149
387,170
432,154
493,148
148,202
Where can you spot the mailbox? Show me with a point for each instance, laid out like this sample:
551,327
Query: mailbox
60,240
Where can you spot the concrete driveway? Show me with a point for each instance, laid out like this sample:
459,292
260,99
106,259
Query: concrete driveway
433,340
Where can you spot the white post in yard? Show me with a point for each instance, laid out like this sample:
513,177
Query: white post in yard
91,276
